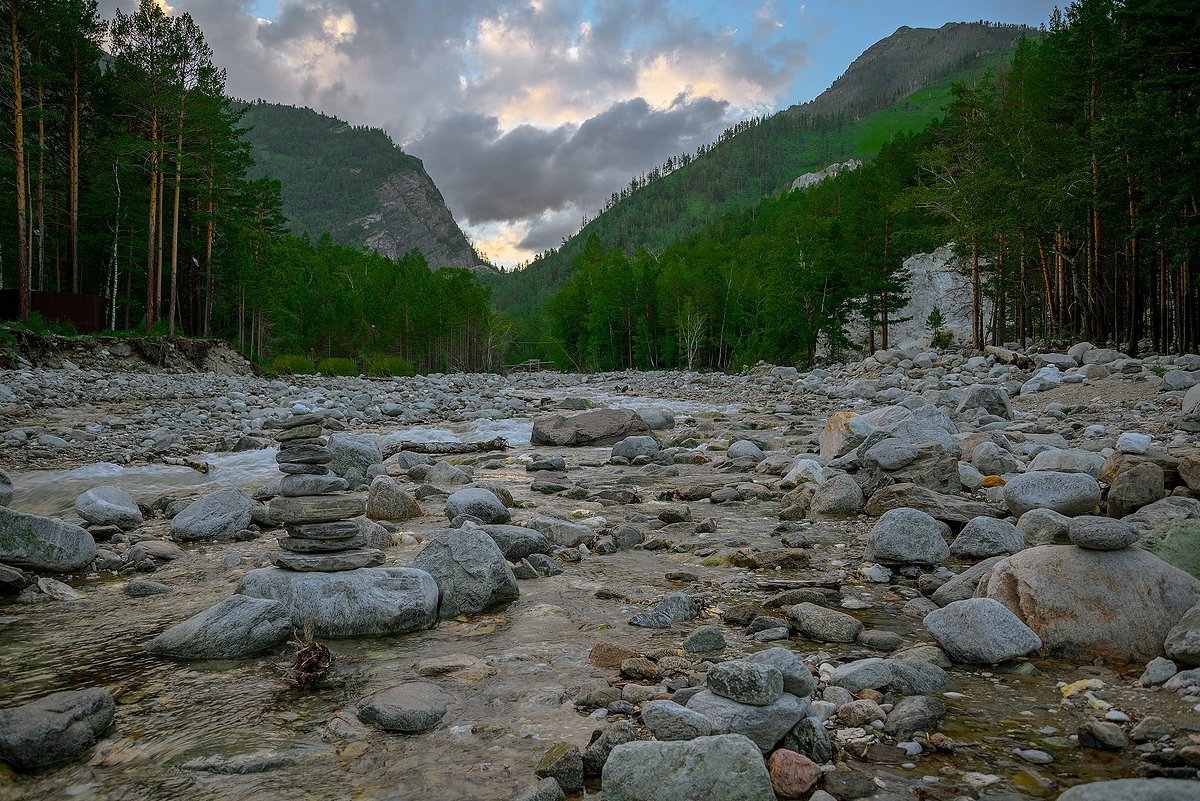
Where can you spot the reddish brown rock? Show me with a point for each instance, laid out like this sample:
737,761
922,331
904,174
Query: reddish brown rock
793,775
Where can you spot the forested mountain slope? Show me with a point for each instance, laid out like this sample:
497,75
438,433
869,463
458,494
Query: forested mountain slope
761,157
355,183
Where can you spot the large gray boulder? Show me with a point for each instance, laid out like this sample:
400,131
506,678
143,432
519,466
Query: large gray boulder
217,516
632,447
477,502
985,537
746,682
963,585
236,627
353,453
947,508
58,728
721,768
1070,494
821,624
890,675
836,498
989,398
1084,604
980,631
109,506
469,569
1183,640
594,428
43,543
906,536
765,725
668,720
517,542
387,500
1135,790
354,603
797,678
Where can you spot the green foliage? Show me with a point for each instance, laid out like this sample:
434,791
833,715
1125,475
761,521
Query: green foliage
1180,546
337,366
36,323
939,337
292,365
385,365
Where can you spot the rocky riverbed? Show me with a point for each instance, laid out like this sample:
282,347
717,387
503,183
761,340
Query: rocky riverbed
922,575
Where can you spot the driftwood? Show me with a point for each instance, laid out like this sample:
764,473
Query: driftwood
445,448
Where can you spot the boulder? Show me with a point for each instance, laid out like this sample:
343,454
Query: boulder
353,454
1070,494
61,727
764,724
824,625
517,542
1084,604
43,543
469,569
601,427
721,768
1067,460
797,678
387,500
745,449
477,502
1101,533
890,675
1135,487
668,720
1183,640
980,631
793,775
1135,790
985,537
912,714
236,627
1045,527
843,433
933,468
906,536
963,585
947,508
837,498
632,447
407,708
989,398
316,508
356,603
562,532
297,484
746,682
217,516
109,506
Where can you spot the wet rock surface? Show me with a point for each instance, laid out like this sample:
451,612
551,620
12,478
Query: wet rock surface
720,581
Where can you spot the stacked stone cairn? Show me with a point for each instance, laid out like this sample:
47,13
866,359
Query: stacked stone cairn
316,511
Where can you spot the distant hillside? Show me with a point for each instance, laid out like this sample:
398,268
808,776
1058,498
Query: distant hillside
852,119
909,59
355,183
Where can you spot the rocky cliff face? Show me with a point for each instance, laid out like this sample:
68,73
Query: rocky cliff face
814,178
413,215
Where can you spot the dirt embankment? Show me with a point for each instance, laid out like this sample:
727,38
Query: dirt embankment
21,348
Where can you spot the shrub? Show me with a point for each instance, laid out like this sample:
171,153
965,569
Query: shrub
292,365
382,364
336,365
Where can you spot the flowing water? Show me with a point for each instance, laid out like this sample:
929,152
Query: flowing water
242,729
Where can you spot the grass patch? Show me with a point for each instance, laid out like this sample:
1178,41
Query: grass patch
382,365
292,365
337,366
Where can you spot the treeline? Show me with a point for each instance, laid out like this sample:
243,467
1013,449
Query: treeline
1071,181
128,176
775,281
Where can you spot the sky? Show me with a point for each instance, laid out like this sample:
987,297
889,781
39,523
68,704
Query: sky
528,114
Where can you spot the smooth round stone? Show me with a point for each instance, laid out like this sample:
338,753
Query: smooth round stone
328,562
299,485
317,508
312,431
304,454
303,469
300,420
1102,533
301,545
334,530
408,708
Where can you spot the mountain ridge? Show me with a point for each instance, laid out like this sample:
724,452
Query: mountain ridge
356,184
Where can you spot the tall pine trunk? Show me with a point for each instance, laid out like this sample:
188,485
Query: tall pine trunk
151,274
23,273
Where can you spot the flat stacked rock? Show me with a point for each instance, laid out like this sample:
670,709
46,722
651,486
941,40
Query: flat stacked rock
314,506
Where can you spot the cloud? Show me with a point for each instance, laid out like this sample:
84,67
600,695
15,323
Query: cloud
527,113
